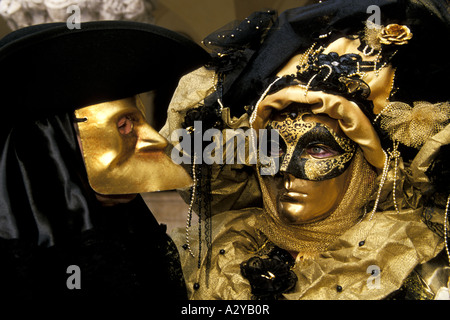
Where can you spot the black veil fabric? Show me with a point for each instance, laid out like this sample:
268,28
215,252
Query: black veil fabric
50,220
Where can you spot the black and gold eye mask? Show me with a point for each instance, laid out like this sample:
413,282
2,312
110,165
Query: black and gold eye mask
311,150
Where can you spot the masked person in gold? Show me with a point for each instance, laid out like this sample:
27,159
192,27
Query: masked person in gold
76,152
355,200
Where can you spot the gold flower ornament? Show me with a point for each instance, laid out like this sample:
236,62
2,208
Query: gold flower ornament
395,34
376,35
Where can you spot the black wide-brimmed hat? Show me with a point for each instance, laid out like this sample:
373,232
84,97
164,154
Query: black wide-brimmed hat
50,68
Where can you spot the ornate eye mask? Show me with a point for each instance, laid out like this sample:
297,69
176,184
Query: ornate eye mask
311,150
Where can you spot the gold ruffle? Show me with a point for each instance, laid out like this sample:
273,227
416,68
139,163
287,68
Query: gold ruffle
395,243
190,92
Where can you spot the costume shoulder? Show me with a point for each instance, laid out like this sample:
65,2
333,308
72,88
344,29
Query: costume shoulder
217,274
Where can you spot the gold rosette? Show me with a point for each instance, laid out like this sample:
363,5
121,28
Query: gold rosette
395,34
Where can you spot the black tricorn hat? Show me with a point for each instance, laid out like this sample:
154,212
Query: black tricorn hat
50,68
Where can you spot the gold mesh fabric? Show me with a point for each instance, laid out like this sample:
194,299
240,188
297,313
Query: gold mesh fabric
412,126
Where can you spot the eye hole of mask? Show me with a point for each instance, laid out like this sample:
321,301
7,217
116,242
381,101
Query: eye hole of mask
126,123
309,148
320,151
318,143
318,154
319,137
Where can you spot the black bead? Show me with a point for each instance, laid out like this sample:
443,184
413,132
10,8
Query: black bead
339,288
196,286
185,246
361,243
222,251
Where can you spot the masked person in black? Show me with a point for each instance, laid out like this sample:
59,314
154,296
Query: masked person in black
76,151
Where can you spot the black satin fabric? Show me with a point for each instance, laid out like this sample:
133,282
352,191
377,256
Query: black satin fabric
50,219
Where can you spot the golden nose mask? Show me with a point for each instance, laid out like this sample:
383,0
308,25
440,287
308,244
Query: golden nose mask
122,153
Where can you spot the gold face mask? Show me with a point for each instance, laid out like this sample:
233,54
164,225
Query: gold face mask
122,153
315,158
311,150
